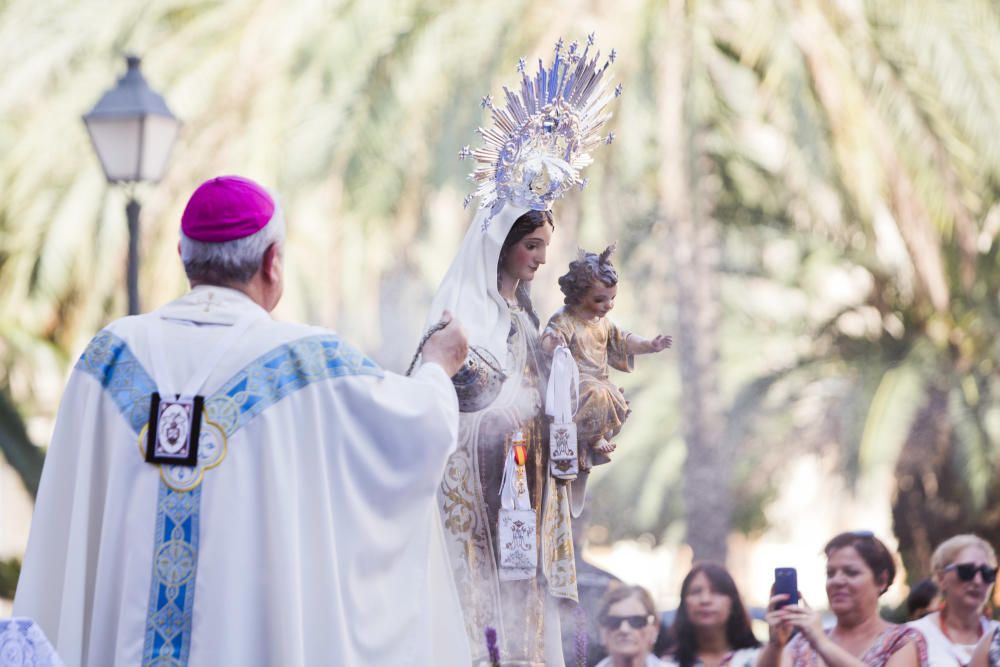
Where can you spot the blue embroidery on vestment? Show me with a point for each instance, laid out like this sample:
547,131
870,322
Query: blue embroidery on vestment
175,563
110,361
281,372
260,385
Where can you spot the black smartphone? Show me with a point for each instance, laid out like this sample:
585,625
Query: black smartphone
786,582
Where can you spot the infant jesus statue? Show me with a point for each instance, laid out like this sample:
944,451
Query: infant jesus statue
595,342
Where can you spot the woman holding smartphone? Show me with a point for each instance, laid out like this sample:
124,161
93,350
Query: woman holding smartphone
859,570
965,568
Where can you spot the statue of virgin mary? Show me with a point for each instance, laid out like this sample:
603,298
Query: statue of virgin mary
532,156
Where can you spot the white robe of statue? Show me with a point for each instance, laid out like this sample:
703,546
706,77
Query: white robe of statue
307,535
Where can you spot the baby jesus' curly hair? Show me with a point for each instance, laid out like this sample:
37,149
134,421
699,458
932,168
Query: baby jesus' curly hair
586,270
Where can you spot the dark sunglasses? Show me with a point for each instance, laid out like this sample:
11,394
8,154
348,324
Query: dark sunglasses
967,572
635,622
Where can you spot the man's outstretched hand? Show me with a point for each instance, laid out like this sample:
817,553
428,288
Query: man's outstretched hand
447,347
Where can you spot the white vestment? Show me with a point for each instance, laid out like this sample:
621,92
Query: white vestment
308,534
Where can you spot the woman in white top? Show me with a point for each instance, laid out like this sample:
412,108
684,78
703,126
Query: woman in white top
965,568
629,625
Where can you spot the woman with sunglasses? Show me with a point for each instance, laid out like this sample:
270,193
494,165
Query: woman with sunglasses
712,628
965,567
859,569
629,625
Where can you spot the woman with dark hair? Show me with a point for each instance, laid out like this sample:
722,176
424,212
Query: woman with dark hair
501,427
712,628
921,599
859,569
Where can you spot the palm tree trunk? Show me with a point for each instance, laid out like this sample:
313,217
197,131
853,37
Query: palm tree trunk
930,492
693,239
16,447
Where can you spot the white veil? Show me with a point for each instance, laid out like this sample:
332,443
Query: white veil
469,288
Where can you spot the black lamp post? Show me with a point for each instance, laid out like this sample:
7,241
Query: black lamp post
132,131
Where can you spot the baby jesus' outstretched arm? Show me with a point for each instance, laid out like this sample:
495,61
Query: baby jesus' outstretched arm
639,345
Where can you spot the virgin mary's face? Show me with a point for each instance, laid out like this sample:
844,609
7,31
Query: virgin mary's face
525,256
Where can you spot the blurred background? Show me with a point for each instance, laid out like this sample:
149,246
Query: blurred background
804,194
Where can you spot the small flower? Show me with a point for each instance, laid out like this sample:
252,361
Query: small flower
491,646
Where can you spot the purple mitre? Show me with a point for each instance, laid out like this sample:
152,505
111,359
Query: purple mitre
226,208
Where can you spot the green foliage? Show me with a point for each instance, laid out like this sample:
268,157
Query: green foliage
848,153
856,184
10,569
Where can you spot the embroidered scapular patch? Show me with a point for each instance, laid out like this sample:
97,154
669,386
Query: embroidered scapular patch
563,457
174,428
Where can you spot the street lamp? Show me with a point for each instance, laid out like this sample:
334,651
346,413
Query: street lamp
132,131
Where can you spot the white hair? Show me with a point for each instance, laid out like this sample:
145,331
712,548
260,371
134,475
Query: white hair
231,261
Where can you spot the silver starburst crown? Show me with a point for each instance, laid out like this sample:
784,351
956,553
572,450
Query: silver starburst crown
541,139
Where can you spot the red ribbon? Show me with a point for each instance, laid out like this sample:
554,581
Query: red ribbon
520,454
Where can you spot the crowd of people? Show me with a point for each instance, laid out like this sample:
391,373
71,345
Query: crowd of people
712,628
